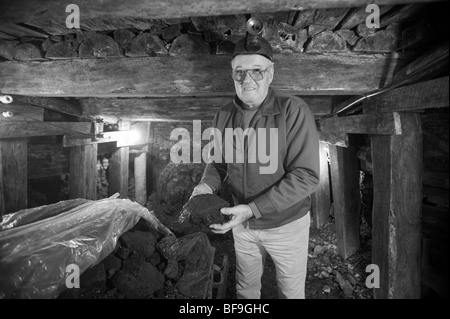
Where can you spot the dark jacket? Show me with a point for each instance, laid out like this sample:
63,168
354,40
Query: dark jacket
284,195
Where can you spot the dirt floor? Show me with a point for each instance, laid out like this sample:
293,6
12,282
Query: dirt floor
328,277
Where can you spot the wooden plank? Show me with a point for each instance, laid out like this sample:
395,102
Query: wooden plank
359,15
299,74
403,14
83,173
140,178
382,124
27,128
321,200
346,198
21,113
77,140
46,157
417,35
6,36
336,139
330,17
53,104
20,31
431,64
397,205
176,109
415,97
13,171
96,24
26,10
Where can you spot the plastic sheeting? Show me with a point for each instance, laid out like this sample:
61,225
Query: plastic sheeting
37,245
198,256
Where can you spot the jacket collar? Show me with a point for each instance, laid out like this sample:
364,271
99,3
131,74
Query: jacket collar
268,107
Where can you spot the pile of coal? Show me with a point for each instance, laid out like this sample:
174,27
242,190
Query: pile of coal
145,265
200,212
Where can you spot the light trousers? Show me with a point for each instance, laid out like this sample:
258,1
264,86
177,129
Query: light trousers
288,247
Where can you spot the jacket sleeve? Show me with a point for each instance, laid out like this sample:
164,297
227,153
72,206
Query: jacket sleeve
215,173
301,164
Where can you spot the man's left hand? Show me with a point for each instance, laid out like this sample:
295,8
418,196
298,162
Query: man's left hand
238,214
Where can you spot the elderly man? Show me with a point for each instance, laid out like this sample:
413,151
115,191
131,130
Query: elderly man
272,211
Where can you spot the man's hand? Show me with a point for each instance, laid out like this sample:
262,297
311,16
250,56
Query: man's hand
201,189
239,214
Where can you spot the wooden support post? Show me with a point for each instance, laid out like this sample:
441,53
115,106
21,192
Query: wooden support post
397,210
2,199
13,175
140,162
140,178
83,172
346,198
321,200
118,172
118,168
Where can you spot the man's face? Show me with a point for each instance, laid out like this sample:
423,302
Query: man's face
105,163
250,91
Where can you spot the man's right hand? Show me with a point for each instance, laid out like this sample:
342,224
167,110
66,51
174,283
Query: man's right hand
201,189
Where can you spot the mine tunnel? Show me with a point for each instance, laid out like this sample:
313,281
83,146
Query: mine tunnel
108,111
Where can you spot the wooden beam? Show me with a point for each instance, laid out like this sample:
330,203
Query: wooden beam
321,200
336,139
359,15
424,95
13,171
27,128
176,109
397,205
431,64
26,10
346,198
52,104
299,74
20,31
77,140
83,172
403,14
382,124
21,113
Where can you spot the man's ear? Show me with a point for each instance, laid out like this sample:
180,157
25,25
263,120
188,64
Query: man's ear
271,70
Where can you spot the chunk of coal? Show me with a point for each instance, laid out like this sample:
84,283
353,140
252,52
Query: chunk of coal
204,210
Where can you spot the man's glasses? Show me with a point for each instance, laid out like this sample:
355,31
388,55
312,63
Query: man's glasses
255,74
